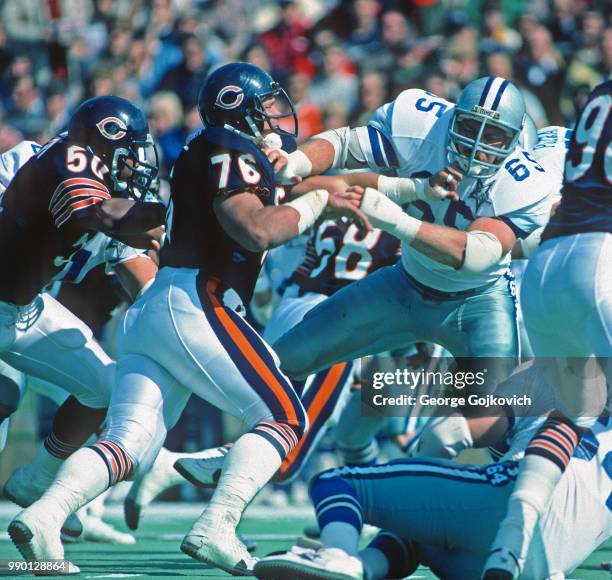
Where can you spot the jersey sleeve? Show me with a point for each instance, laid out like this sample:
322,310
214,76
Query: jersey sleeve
236,168
13,159
526,220
81,185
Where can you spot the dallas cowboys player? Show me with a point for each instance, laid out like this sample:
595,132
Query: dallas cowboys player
222,216
397,496
573,262
452,286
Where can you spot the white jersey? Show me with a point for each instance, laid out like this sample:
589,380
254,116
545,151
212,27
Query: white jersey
411,134
550,151
98,250
13,159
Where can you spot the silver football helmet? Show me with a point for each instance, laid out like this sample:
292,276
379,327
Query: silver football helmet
487,119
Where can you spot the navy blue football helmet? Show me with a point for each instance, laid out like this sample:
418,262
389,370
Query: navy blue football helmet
117,132
235,96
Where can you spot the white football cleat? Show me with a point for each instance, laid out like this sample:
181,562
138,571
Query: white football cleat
34,538
501,564
97,530
204,471
214,542
23,489
305,564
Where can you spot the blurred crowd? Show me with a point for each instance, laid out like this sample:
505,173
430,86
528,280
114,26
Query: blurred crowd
338,59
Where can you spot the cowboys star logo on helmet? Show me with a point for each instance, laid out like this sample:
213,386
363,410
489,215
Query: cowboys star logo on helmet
230,97
112,128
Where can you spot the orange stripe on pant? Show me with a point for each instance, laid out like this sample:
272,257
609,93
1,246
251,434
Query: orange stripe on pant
250,354
313,411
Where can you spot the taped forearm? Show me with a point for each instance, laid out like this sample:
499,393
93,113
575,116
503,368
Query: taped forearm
310,206
386,215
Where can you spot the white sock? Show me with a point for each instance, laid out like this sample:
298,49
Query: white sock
82,477
532,494
341,535
375,563
248,466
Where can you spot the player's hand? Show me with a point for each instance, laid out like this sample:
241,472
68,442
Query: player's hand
339,204
354,194
281,163
443,185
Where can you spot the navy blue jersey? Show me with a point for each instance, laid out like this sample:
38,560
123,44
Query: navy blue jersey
586,203
40,231
339,253
216,162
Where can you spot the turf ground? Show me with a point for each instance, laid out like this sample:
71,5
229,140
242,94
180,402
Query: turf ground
156,553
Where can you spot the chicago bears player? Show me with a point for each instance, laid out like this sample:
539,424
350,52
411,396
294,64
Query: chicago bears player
187,334
337,254
54,203
574,262
134,269
452,287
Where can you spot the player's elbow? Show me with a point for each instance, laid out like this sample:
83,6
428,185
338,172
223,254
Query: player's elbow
258,239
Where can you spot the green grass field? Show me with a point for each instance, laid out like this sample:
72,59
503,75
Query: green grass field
156,553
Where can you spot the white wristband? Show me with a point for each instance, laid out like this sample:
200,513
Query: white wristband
388,216
310,206
398,189
298,165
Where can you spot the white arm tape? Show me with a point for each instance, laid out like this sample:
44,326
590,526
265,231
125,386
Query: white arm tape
339,138
404,190
310,206
388,216
398,189
482,250
298,164
531,243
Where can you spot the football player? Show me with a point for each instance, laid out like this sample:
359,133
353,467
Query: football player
573,264
452,286
337,253
427,508
134,270
187,332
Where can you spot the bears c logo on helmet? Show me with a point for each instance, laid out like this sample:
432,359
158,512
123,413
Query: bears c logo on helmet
112,128
230,97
